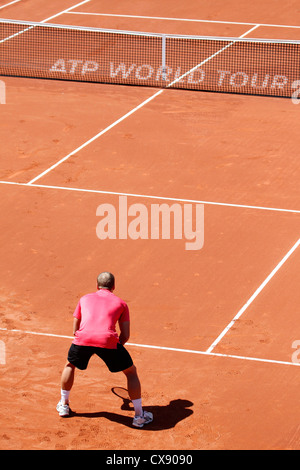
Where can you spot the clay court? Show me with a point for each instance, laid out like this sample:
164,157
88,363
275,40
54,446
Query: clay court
214,331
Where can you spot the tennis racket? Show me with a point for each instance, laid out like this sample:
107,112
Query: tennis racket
123,394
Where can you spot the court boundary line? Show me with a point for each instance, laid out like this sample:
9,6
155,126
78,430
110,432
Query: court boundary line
181,19
253,297
165,348
212,56
208,352
8,4
132,111
95,137
149,196
67,10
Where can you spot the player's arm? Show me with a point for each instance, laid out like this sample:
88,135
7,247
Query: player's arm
124,331
76,325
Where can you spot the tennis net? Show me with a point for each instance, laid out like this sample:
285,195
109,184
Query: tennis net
228,65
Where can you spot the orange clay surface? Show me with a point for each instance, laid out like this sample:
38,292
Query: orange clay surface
237,154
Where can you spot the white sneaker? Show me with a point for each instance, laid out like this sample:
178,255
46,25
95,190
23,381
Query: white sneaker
146,418
63,410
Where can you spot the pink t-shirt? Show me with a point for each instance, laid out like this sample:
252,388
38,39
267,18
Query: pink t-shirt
98,314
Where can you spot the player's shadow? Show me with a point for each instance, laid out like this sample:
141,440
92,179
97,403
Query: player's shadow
164,416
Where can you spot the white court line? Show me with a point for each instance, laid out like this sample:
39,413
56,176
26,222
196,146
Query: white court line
165,348
147,196
128,114
95,137
253,297
181,19
211,57
43,21
10,3
68,10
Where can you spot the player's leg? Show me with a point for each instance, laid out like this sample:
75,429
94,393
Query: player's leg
134,390
133,383
78,357
118,360
67,380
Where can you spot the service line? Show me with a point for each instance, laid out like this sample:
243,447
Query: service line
149,196
191,20
94,138
67,10
141,105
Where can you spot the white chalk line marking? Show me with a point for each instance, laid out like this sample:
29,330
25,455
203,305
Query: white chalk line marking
211,57
10,3
209,350
147,196
68,10
253,297
43,21
165,348
95,137
141,105
191,20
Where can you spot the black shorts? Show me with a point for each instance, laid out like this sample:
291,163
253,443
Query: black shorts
116,359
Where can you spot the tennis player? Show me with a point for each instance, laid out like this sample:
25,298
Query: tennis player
94,328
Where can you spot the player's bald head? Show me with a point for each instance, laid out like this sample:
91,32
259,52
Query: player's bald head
106,280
